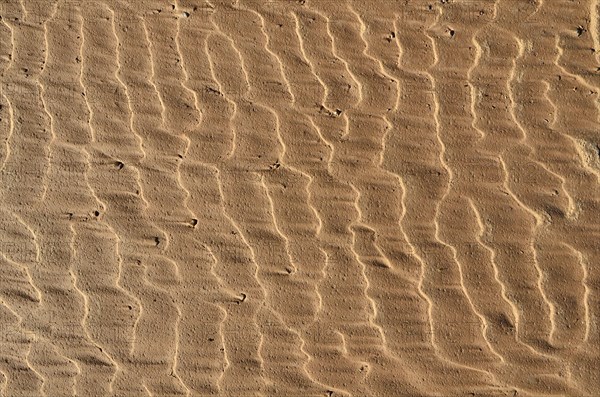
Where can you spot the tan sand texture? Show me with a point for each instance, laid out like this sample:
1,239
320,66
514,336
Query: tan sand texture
299,198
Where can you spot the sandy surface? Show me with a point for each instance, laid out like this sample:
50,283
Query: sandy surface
299,198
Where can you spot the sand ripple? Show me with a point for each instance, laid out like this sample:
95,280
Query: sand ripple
299,198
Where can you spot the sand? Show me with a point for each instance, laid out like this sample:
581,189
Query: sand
299,198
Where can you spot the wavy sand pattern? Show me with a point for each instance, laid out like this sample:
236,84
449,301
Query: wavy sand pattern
299,198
